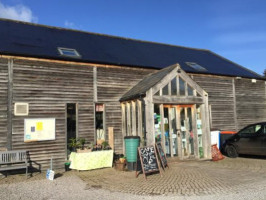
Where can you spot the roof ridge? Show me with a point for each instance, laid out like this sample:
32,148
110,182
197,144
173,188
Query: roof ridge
100,34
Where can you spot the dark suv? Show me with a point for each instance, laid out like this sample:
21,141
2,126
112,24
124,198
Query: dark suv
250,140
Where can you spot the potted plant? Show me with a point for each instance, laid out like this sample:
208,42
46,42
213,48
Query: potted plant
120,163
105,145
74,144
82,142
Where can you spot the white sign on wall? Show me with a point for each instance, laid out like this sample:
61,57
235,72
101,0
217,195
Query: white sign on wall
39,129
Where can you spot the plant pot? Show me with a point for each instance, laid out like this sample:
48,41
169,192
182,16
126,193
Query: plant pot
67,165
120,166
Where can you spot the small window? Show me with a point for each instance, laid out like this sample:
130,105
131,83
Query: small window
68,52
189,91
181,87
196,66
173,87
165,90
157,93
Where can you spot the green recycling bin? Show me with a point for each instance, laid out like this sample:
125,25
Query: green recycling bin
131,145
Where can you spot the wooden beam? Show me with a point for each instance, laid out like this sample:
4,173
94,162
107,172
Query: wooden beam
234,101
149,113
194,131
10,104
95,92
177,100
170,131
123,110
140,130
128,120
206,135
162,127
111,137
179,135
133,117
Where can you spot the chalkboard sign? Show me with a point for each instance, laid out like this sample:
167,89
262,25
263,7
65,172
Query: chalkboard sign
161,155
148,159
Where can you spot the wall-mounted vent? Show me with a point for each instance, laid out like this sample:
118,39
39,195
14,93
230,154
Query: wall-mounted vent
21,109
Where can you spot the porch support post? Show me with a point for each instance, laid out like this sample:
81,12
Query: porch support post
149,110
124,133
140,132
179,134
206,136
128,120
194,130
133,116
162,127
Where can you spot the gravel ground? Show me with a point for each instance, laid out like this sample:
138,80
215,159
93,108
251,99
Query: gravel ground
72,187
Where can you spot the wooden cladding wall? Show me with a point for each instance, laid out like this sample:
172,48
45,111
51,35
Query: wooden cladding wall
221,99
3,101
250,102
112,84
47,87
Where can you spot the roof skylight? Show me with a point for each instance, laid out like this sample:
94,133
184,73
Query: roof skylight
196,66
68,52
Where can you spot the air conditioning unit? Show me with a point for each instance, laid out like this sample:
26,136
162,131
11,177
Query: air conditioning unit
21,109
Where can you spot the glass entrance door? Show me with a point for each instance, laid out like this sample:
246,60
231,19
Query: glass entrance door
178,130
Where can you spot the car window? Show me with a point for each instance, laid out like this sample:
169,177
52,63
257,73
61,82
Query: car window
251,130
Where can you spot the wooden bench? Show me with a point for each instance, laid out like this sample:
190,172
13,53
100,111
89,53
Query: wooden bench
10,160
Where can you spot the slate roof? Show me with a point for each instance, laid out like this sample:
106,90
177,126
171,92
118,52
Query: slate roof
140,89
32,40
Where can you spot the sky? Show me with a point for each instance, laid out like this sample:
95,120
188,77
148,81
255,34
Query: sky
234,29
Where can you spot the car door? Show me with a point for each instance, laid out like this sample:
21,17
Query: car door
248,141
263,142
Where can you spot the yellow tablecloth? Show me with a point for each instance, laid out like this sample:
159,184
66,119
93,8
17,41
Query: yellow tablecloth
91,160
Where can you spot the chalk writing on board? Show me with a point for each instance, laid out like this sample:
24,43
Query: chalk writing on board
149,160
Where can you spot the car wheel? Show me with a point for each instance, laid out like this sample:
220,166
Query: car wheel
231,151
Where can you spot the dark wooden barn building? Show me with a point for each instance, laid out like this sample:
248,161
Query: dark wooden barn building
78,84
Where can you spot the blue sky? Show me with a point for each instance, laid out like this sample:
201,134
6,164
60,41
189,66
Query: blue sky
235,29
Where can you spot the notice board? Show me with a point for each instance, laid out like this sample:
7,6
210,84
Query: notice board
39,129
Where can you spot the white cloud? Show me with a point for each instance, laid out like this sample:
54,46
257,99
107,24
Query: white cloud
17,12
69,24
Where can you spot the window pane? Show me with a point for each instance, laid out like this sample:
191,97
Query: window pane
165,90
99,121
173,87
189,91
157,93
181,87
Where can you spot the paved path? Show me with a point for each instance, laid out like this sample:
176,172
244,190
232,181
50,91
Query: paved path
241,178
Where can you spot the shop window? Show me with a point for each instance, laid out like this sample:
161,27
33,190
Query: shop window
182,87
99,121
173,87
165,90
189,91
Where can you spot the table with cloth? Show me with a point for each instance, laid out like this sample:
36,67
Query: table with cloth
91,160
